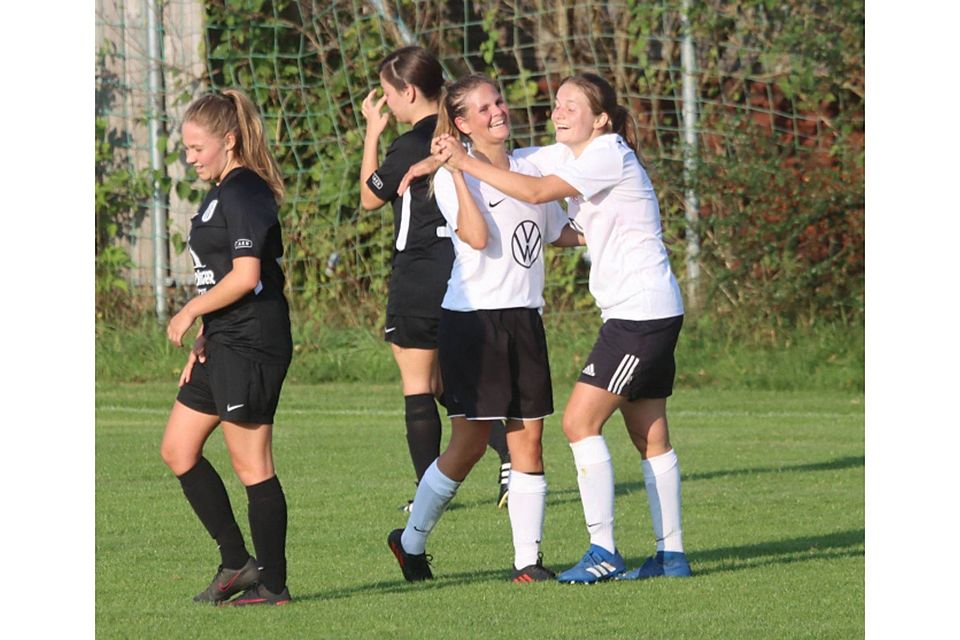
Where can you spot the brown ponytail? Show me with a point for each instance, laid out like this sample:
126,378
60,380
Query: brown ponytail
231,111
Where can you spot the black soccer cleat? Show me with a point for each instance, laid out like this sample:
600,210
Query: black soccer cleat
533,572
229,582
415,567
504,491
259,594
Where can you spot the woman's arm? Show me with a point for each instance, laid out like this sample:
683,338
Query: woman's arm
471,226
241,280
536,190
376,123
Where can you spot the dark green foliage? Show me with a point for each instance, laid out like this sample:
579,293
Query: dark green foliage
780,175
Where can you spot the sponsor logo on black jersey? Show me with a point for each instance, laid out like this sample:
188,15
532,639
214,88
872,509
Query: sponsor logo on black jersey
527,241
377,182
242,243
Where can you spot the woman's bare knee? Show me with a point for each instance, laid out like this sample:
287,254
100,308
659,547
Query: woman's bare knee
178,459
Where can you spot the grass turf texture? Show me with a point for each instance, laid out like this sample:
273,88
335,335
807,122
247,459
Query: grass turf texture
773,490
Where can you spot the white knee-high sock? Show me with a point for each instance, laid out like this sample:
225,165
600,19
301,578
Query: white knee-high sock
595,478
527,503
433,495
661,475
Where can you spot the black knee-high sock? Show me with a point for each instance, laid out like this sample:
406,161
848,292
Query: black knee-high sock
498,441
206,494
267,510
423,430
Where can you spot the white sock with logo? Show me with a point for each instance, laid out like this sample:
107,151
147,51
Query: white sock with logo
527,503
595,479
433,495
661,475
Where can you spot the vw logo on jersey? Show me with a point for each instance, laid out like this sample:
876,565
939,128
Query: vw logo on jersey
209,212
527,241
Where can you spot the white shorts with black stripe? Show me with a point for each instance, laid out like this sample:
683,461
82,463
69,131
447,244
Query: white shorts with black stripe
494,364
634,358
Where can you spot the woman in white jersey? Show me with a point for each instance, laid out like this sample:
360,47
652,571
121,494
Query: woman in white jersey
594,165
411,79
493,352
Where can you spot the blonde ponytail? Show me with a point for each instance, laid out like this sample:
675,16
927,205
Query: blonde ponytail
231,111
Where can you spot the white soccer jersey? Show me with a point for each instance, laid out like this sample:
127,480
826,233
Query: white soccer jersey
630,274
508,272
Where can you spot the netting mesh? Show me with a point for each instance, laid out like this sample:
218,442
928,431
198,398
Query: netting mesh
779,96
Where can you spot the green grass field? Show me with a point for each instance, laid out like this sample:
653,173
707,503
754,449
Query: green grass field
773,488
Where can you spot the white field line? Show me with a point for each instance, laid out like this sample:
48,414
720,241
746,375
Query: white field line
384,412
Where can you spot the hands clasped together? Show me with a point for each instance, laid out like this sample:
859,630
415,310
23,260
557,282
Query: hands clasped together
445,151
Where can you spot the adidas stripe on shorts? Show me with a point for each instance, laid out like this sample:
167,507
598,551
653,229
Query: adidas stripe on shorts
494,364
634,358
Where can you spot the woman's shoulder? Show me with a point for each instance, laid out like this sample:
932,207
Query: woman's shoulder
546,158
243,184
416,140
243,179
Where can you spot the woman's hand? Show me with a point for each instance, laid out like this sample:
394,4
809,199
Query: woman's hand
197,354
372,109
448,147
423,168
179,325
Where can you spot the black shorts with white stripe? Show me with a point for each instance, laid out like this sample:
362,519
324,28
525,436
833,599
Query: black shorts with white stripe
634,358
494,364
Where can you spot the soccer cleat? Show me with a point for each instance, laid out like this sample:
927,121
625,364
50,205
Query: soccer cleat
259,594
672,564
597,565
533,572
408,507
414,567
229,582
504,485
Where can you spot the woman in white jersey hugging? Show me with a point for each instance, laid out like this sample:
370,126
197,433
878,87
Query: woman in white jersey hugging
493,351
595,166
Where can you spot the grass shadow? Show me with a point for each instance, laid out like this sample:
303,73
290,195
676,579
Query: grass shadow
440,581
624,488
844,544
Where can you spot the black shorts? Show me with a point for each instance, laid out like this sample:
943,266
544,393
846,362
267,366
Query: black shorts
234,388
494,364
634,358
411,332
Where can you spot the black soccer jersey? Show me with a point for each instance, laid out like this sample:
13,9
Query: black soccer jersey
422,251
239,218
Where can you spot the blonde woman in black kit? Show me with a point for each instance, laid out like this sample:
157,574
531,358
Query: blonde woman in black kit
411,79
235,370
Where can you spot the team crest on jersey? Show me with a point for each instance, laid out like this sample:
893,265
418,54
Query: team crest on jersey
209,212
527,241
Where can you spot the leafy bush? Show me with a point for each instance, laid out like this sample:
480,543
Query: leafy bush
781,128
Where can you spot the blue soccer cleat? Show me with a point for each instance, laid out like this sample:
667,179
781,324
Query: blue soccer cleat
597,565
671,564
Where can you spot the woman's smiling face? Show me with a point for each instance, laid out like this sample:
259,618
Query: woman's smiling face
572,118
487,117
207,153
